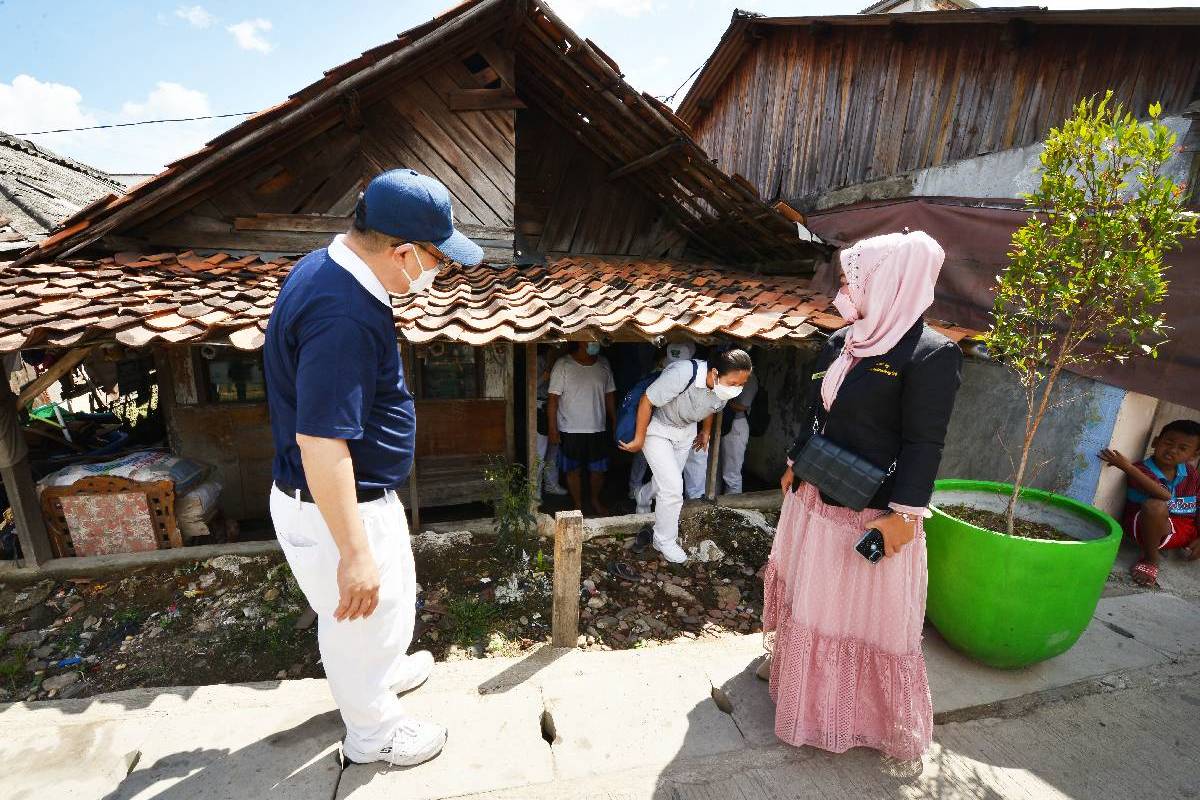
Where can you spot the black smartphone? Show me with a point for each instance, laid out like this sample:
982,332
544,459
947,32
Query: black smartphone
870,546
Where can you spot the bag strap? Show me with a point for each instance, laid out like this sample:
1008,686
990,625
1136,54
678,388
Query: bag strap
692,382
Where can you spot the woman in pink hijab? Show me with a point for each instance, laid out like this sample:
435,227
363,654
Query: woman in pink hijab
846,668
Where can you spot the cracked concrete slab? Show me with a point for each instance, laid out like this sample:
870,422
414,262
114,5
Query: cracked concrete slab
204,745
621,713
494,742
1164,622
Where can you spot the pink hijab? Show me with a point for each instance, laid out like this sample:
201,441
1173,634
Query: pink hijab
890,282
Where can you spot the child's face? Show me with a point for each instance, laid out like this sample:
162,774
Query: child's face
1174,448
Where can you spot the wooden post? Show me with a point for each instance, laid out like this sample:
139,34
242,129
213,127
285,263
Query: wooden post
531,434
18,484
568,552
714,458
414,500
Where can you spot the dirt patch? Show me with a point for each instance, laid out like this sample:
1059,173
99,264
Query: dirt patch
241,619
993,521
230,619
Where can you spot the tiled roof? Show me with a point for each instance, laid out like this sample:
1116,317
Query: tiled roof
183,297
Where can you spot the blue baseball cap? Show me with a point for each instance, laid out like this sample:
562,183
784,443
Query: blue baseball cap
414,207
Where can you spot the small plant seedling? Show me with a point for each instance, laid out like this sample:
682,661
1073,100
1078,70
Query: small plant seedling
470,620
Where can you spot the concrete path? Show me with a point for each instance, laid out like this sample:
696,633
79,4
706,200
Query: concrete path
1114,717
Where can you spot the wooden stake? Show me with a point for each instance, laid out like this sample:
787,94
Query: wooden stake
714,458
568,552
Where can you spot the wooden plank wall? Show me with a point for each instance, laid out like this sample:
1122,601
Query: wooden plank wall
566,203
473,152
809,111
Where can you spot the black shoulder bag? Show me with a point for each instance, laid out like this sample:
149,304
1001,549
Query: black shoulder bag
839,473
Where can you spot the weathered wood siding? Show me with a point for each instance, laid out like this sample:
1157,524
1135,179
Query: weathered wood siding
567,203
308,187
814,109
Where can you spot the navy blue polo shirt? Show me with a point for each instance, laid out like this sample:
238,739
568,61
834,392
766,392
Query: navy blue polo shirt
333,370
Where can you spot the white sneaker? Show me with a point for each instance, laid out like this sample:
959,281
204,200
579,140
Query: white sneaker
417,668
414,741
554,488
672,552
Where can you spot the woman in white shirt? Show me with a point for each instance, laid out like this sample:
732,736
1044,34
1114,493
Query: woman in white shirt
674,417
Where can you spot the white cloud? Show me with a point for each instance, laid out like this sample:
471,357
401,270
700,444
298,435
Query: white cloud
574,11
248,34
28,104
168,101
196,16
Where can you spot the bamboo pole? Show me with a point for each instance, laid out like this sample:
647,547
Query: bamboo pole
568,552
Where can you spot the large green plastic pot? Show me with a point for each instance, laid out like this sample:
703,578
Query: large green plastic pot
1008,601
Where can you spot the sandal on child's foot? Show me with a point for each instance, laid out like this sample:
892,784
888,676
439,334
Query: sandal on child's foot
1144,573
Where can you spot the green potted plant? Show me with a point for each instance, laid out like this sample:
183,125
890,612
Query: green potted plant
1015,573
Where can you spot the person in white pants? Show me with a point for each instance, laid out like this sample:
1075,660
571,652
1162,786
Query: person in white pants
344,427
674,417
734,443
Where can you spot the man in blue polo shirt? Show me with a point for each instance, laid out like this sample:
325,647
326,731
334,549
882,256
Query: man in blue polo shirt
343,424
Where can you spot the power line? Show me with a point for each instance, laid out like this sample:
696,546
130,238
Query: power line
671,96
131,124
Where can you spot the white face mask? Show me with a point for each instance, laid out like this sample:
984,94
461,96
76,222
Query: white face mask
845,306
422,282
726,393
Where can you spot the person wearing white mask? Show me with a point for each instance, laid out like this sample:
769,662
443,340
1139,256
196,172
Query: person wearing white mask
675,417
581,401
677,351
344,428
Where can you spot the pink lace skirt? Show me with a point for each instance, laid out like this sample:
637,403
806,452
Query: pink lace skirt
845,635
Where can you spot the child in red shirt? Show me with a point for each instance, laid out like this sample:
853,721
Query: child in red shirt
1160,507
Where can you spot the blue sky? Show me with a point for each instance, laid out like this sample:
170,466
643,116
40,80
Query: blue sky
72,63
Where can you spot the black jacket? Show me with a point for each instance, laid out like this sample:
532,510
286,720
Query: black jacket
891,408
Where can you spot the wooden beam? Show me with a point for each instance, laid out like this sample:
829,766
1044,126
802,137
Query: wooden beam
20,488
568,552
645,161
483,99
314,223
59,368
531,435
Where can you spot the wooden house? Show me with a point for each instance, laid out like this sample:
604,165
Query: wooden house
934,121
601,217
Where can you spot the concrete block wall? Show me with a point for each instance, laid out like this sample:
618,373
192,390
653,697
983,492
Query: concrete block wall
985,431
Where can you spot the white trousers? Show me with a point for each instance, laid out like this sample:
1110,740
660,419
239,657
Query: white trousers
733,455
666,458
363,658
695,474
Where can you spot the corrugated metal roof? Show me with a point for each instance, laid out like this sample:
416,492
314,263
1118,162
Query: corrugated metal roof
39,189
